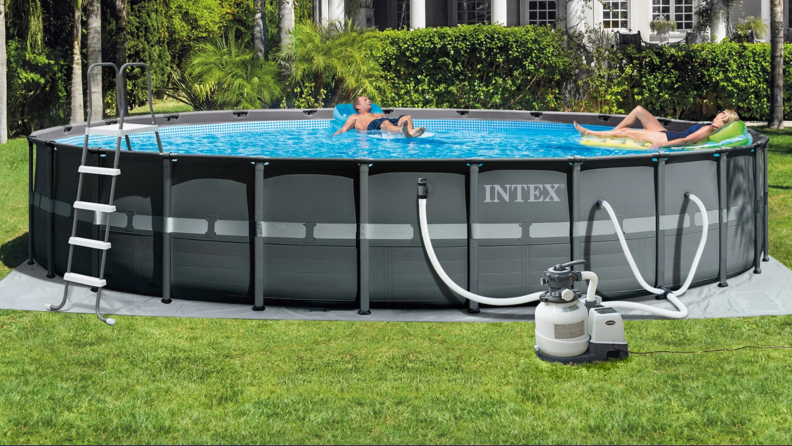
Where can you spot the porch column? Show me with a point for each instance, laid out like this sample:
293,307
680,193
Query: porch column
417,14
335,10
718,23
499,12
766,18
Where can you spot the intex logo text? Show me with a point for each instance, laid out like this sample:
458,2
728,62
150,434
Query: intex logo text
521,193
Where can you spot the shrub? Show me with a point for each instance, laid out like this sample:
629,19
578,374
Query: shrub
476,67
242,80
327,65
37,89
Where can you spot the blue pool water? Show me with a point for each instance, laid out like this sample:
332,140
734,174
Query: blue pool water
311,139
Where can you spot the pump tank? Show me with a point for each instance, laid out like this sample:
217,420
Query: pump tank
562,328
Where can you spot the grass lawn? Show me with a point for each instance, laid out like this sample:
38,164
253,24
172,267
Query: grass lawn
67,378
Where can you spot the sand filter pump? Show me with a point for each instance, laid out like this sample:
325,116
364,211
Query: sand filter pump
571,328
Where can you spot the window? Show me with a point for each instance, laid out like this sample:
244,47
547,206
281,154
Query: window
470,12
680,11
683,14
541,13
614,15
402,14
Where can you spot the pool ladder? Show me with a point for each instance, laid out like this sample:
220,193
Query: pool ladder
119,130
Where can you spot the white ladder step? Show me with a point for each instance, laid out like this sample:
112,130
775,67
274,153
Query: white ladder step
89,243
96,207
100,171
113,130
84,280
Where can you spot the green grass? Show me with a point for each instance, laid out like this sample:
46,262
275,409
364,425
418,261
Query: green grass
66,378
162,106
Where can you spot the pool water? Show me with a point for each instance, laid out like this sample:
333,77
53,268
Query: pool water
312,139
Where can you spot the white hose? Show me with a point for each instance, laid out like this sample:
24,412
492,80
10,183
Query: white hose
682,310
452,285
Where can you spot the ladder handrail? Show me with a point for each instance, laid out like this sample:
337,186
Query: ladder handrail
118,88
122,82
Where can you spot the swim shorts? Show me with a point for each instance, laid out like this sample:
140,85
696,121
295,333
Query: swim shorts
377,123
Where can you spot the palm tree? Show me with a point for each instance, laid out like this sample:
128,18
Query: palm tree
776,65
121,32
259,29
286,24
95,56
77,114
243,80
333,61
3,87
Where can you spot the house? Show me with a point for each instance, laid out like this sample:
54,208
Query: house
626,16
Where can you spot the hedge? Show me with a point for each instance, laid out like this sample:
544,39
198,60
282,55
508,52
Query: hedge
476,67
535,68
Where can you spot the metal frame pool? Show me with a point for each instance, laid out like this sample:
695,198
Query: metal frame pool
344,232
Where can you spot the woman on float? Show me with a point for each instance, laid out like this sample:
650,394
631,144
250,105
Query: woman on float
655,133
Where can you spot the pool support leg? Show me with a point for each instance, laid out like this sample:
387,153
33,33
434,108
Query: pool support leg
50,210
723,215
364,279
576,239
30,203
258,240
473,243
660,184
167,165
757,205
766,257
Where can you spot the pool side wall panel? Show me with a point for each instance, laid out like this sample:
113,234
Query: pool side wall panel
400,269
310,234
683,222
211,236
630,190
522,229
136,228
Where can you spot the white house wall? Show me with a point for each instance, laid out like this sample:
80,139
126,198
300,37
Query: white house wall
579,14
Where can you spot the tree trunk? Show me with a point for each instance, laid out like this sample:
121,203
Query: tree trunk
259,29
121,32
77,114
286,24
317,10
776,64
3,89
121,38
95,56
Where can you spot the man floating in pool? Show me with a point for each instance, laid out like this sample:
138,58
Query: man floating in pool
655,133
365,120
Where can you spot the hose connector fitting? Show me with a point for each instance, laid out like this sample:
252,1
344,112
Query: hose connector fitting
424,188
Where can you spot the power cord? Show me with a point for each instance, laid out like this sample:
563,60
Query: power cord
767,347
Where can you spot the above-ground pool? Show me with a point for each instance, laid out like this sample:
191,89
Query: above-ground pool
262,206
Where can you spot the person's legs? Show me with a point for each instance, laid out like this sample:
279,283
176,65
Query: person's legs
408,120
389,127
638,135
648,121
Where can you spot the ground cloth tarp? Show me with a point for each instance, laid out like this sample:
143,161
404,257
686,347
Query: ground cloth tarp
27,288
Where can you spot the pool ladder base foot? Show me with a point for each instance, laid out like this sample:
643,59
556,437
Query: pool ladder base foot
364,312
257,308
166,301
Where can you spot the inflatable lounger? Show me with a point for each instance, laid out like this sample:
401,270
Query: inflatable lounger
343,111
731,135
